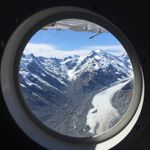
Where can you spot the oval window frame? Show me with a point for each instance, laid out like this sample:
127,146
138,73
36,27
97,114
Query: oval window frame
18,110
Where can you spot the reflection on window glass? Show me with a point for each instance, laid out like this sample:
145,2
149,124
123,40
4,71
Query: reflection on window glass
76,78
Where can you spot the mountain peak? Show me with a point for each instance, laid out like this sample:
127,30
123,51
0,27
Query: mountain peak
124,54
100,51
96,52
71,57
32,55
92,53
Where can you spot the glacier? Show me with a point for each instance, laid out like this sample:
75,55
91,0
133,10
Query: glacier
103,109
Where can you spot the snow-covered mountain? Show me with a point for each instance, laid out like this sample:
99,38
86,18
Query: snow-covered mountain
74,67
68,84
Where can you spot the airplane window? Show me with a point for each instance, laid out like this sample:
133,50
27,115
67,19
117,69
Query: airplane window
72,80
76,78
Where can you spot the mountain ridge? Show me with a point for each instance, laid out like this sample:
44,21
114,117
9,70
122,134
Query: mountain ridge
57,89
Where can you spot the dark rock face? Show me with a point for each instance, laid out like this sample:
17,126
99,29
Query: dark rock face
121,100
62,101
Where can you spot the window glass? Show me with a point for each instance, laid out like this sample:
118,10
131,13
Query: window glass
76,78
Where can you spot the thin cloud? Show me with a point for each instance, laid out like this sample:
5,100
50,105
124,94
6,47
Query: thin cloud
113,49
47,50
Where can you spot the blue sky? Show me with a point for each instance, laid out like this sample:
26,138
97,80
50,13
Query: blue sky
68,40
55,43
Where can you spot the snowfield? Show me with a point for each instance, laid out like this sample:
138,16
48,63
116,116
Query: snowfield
102,113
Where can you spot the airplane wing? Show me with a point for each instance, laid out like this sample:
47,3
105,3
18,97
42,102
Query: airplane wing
75,25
